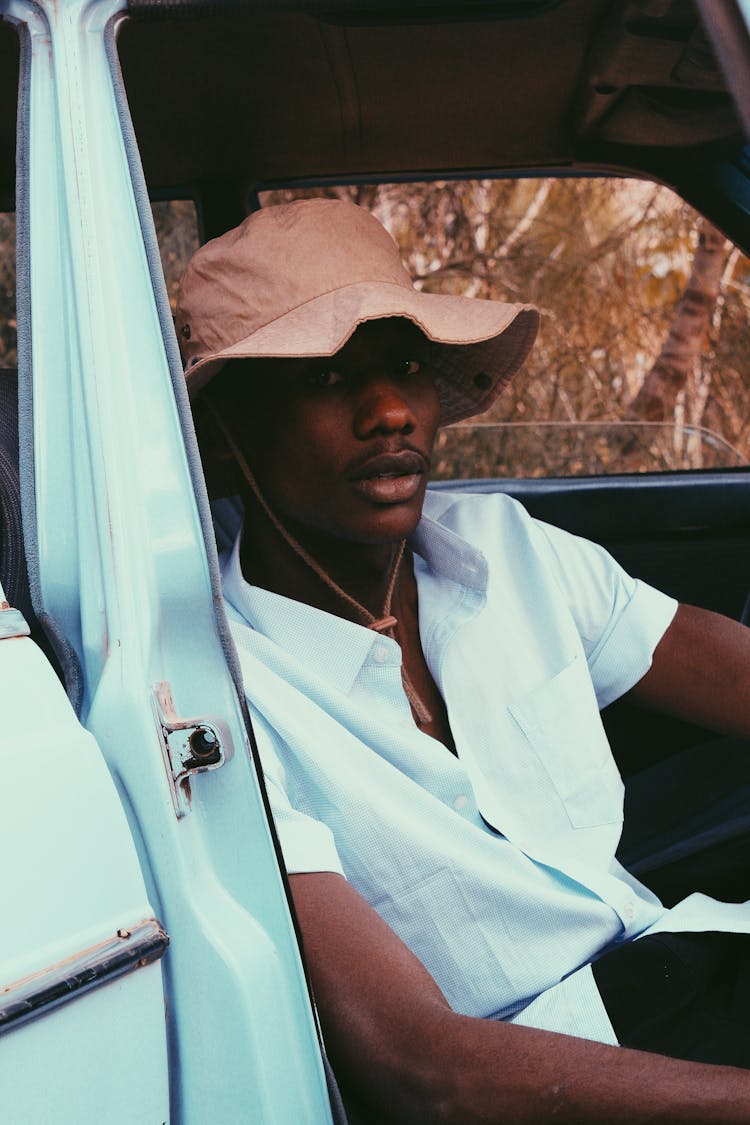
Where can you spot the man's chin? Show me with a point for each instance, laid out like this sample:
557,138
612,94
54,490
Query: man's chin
365,522
386,524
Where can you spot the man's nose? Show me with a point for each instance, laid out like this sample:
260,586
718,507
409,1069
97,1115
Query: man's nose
382,408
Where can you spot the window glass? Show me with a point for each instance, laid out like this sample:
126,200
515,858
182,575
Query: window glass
176,223
8,344
640,362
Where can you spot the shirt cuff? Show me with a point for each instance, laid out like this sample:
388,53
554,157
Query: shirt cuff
307,847
626,655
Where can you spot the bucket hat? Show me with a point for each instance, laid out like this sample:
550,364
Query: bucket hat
296,280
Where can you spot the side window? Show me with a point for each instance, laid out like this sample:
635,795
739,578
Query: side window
9,73
13,573
176,223
8,346
640,362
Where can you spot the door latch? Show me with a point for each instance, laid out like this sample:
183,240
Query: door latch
189,746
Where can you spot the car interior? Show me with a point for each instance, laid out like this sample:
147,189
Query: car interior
232,98
418,91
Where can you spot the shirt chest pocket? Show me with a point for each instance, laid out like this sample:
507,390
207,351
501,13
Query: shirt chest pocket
561,722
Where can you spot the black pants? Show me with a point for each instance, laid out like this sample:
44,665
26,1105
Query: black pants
683,995
687,823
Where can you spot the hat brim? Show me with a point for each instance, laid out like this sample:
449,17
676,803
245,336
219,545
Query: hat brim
481,344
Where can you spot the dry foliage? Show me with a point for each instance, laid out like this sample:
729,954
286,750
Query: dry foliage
609,263
615,267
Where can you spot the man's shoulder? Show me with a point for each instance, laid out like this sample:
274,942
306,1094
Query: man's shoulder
474,515
462,533
498,527
439,501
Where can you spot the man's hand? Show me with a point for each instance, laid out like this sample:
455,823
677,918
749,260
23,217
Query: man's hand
404,1056
701,672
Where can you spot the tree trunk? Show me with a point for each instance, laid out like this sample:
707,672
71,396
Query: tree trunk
689,336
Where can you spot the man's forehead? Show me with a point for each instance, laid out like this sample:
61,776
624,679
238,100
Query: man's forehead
384,332
259,376
381,329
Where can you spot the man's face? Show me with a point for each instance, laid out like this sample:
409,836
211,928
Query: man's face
340,445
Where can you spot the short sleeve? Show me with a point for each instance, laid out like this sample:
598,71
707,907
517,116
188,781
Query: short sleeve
620,619
306,844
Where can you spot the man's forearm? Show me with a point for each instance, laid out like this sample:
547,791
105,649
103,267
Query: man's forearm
494,1072
407,1057
455,1070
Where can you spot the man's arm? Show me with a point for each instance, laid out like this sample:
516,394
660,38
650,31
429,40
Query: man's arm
701,672
396,1044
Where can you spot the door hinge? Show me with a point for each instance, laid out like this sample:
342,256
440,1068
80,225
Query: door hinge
189,746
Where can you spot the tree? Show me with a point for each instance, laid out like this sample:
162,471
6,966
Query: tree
688,343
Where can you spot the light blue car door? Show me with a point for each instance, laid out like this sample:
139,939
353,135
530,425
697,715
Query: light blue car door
138,799
81,996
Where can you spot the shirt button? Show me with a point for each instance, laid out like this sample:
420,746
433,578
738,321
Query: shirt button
460,802
380,655
628,911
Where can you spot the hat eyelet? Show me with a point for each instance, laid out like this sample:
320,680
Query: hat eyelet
482,381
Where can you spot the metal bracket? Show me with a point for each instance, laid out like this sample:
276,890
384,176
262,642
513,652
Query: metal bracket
131,948
189,746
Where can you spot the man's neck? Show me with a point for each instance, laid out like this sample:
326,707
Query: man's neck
362,570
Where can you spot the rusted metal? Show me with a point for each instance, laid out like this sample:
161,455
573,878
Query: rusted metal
189,745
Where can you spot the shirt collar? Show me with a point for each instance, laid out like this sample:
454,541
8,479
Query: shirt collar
444,551
332,646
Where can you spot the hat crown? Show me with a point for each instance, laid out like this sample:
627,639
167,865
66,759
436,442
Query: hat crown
295,281
276,260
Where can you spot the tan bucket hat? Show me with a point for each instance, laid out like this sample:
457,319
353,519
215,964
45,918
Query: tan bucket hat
296,280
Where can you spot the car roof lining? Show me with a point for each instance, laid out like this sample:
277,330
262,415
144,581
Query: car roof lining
395,98
631,85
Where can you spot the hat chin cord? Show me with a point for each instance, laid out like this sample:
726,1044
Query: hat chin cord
386,623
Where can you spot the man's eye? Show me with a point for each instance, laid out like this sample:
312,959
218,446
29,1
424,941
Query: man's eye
322,377
410,366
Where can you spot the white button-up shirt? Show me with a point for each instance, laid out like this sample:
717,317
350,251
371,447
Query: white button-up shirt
495,866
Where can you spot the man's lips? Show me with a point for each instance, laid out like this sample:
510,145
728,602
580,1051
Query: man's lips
403,463
390,478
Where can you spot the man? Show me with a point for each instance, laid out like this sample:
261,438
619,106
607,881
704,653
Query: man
425,673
